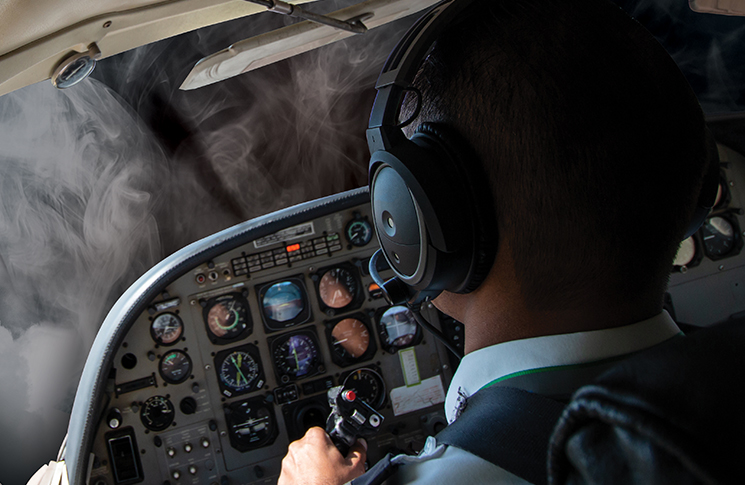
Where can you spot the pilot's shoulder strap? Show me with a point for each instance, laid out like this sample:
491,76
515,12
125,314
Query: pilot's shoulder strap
505,426
508,427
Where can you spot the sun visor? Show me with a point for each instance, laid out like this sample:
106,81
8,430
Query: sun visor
720,7
261,50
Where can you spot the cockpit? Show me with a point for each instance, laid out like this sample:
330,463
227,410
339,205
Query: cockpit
221,242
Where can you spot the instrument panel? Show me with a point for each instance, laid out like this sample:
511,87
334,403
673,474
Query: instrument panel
232,361
707,284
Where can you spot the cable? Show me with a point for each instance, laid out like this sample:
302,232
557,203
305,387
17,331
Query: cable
438,334
396,284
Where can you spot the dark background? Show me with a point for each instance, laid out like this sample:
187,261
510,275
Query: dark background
100,182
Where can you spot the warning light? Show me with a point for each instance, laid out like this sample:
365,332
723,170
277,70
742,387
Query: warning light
293,247
375,291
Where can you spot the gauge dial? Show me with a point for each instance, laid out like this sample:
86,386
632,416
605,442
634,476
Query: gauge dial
166,329
686,252
175,366
719,237
251,424
157,413
296,356
350,338
239,371
359,232
227,316
338,288
368,385
399,327
283,301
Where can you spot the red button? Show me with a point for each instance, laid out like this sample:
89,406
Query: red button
349,396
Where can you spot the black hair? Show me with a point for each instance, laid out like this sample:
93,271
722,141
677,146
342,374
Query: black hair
592,140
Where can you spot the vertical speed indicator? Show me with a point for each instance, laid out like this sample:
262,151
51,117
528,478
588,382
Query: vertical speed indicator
367,385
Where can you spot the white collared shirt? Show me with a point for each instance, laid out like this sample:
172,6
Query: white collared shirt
502,361
441,464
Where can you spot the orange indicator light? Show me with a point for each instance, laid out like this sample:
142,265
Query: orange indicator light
293,247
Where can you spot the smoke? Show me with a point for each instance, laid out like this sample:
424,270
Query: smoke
77,172
101,181
261,141
707,48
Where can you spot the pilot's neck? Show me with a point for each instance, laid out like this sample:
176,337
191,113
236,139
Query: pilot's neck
496,312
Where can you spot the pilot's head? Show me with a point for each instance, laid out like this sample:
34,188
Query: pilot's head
591,140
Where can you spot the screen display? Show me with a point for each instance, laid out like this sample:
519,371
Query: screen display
399,326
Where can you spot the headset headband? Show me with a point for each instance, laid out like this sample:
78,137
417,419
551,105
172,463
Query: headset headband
400,69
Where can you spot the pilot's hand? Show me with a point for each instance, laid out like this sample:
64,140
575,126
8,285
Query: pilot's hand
314,460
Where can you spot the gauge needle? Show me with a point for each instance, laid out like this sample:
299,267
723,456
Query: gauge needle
297,362
238,368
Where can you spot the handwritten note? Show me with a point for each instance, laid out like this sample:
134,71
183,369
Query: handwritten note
427,393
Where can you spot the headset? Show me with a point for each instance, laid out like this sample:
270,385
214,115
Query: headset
431,204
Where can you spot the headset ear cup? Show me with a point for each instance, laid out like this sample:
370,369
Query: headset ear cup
478,202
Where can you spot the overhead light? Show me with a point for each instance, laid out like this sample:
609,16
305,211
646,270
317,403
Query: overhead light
76,67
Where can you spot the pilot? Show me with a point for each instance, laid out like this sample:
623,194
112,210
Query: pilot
594,149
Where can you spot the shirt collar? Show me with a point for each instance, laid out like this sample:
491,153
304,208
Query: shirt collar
480,367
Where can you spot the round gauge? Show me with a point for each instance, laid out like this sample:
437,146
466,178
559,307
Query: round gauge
338,287
166,329
399,326
238,371
227,316
350,338
297,356
175,367
359,232
157,413
283,301
251,424
719,236
368,385
686,252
